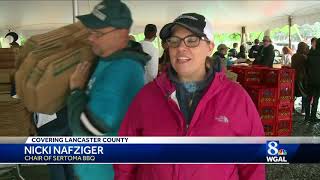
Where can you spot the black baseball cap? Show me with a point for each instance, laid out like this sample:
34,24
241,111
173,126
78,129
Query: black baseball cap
194,22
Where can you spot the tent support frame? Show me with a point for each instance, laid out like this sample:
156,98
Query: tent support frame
75,8
290,25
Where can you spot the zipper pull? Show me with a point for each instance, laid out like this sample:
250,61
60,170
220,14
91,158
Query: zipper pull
186,130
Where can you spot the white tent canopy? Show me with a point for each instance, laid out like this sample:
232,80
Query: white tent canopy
33,16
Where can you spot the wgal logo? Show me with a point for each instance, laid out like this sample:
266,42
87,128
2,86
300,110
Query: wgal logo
274,154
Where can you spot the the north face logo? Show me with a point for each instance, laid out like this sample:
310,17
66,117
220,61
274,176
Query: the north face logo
222,119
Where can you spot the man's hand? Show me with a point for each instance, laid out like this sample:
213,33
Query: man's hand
80,76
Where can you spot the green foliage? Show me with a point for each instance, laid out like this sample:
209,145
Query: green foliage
256,35
139,37
308,31
282,34
226,38
235,37
22,39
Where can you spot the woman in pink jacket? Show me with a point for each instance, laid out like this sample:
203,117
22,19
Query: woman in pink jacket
190,99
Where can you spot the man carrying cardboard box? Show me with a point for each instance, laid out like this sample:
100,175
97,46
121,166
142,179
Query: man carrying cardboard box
98,107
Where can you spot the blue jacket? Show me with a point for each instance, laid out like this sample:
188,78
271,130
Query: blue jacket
113,84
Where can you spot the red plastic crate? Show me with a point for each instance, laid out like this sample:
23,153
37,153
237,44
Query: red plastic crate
238,68
263,96
269,128
248,75
287,75
285,95
284,127
268,113
285,112
274,77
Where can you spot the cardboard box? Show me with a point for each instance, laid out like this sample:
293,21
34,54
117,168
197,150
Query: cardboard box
8,57
26,68
6,75
45,65
31,61
47,85
57,33
15,120
5,88
5,97
61,36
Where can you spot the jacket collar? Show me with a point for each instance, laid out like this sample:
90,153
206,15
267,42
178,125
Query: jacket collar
133,51
167,87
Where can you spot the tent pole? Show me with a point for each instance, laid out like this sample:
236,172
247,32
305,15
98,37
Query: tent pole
290,24
75,8
267,32
243,33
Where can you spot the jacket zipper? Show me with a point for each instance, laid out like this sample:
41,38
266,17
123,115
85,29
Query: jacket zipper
184,133
186,129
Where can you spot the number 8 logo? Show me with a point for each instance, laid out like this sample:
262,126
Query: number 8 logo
273,150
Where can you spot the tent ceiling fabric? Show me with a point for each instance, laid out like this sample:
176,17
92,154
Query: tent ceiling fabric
30,16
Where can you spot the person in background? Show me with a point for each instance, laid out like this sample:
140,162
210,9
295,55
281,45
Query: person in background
191,99
164,60
150,33
286,56
242,54
299,61
313,81
313,45
219,59
266,56
97,107
254,50
233,52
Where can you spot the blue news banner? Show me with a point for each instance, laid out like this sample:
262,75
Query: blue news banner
159,150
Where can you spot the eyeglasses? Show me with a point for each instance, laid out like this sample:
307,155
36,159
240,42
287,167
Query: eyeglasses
99,34
190,41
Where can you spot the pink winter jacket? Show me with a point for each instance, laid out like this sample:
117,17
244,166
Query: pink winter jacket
224,110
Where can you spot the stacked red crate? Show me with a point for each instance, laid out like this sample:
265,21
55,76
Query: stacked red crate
247,75
272,93
265,101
